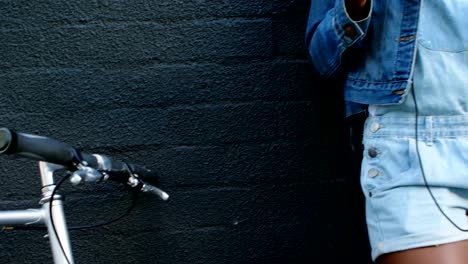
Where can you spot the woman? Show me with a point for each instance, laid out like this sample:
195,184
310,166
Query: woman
404,63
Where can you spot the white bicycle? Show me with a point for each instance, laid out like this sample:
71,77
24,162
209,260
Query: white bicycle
54,156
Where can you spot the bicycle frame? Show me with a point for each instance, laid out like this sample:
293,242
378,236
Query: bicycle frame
58,230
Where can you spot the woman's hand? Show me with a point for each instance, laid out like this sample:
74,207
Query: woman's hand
357,9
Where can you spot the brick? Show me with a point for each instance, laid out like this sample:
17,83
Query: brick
239,164
289,35
20,14
135,44
88,90
208,124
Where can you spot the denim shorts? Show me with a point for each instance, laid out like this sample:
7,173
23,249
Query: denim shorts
403,173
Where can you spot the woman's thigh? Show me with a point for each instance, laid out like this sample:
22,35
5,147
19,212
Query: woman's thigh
451,253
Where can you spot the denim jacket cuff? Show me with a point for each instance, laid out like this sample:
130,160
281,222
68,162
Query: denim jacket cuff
347,29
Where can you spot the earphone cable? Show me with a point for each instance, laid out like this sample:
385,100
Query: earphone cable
426,184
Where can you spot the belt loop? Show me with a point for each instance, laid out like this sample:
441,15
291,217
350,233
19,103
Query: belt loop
429,131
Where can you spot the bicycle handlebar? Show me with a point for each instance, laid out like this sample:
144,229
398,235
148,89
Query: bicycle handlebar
53,151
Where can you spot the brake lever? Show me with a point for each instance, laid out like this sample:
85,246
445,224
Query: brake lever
134,181
155,190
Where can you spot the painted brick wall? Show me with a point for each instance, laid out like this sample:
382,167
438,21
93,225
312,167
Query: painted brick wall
217,96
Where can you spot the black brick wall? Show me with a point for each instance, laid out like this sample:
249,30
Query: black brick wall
217,96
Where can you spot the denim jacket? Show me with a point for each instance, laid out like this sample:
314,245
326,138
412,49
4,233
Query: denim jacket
375,56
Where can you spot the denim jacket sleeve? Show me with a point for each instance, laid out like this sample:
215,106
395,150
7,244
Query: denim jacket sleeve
330,32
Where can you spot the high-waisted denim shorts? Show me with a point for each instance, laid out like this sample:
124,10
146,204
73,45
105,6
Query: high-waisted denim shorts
411,180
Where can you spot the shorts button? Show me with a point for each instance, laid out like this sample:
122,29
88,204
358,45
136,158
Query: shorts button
375,127
373,173
373,152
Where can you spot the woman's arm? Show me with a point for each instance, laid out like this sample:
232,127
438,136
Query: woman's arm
357,9
333,27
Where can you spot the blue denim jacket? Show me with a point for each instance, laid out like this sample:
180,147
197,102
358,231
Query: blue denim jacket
375,55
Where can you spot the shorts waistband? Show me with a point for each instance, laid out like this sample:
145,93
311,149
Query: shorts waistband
426,126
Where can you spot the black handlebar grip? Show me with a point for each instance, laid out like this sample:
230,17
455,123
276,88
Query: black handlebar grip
53,151
5,139
35,147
